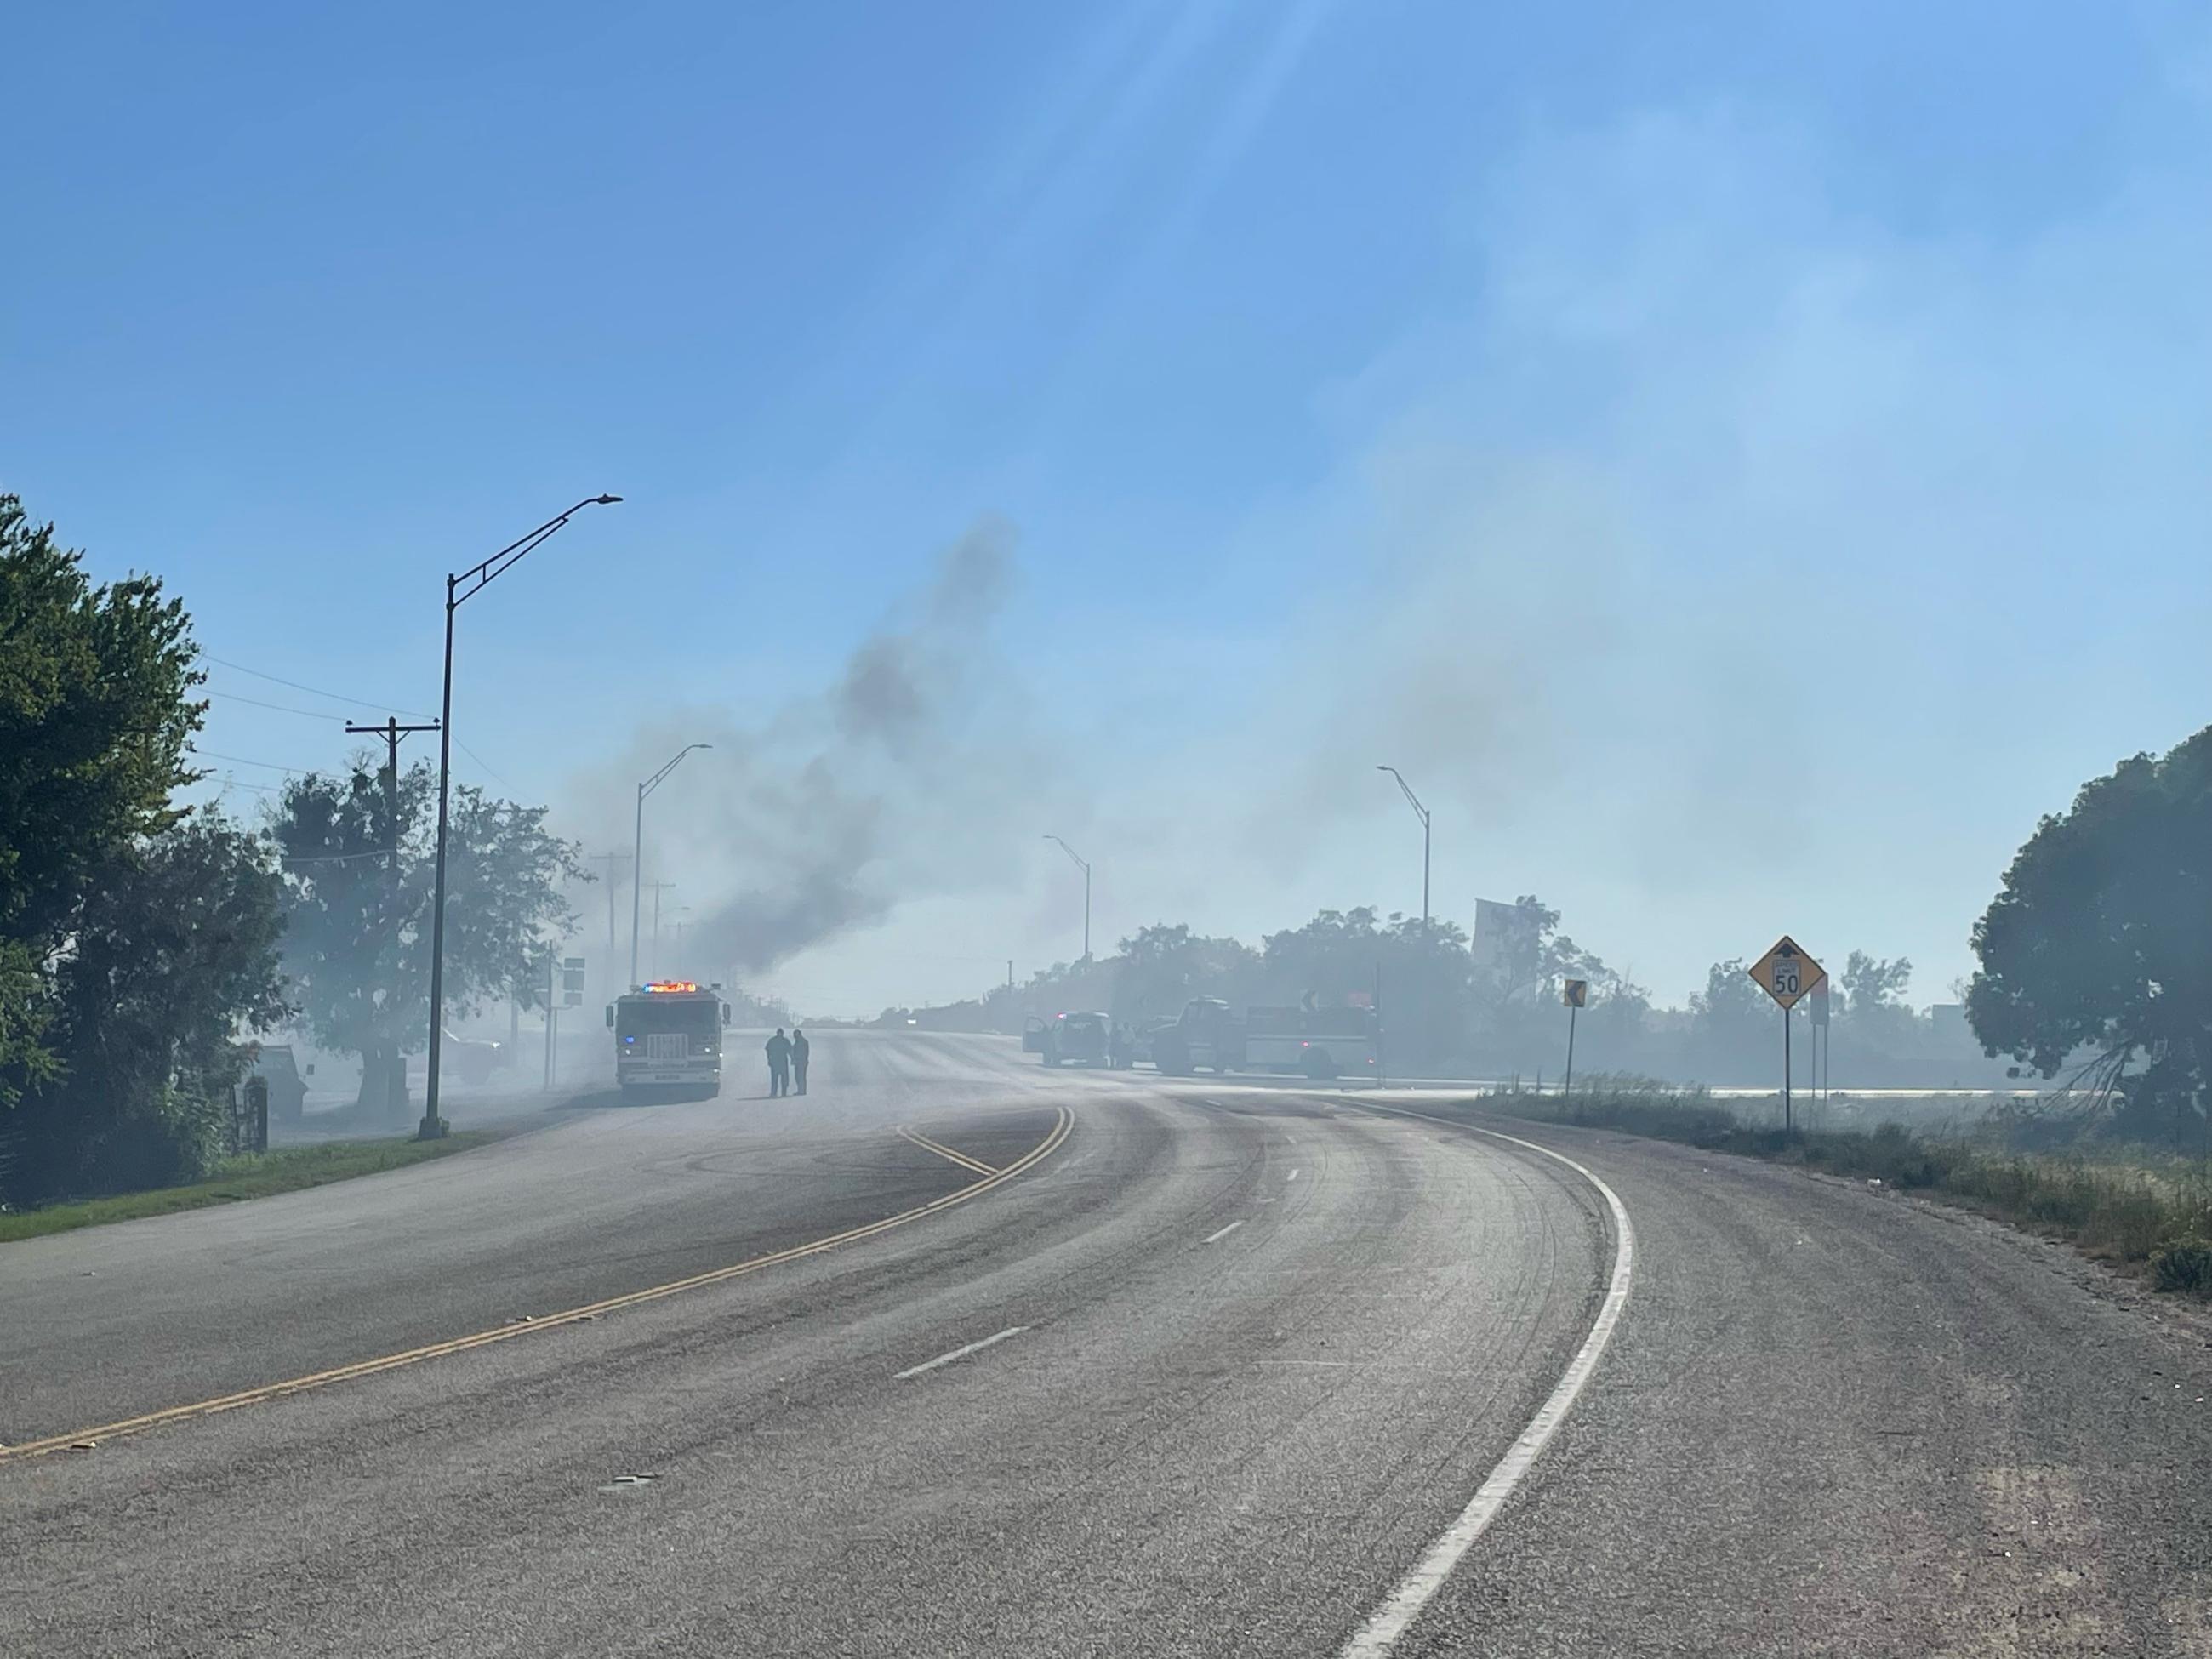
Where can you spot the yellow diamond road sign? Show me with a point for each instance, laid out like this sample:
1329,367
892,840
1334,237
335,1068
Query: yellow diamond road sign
1786,973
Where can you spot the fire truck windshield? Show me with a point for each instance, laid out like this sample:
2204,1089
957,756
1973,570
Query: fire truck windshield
639,1016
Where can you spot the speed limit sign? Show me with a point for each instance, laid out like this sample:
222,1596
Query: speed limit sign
1786,973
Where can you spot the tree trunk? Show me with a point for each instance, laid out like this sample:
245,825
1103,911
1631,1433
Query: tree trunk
384,1083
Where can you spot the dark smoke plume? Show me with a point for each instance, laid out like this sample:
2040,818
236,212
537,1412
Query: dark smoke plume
904,778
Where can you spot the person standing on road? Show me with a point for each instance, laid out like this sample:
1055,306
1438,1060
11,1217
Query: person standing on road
779,1063
801,1048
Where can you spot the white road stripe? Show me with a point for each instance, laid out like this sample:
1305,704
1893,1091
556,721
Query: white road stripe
957,1353
1294,1174
1215,1238
1387,1623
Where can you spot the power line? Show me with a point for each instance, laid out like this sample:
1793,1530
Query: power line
281,707
316,690
359,702
242,760
482,762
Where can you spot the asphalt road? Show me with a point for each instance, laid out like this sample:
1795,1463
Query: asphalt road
1087,1365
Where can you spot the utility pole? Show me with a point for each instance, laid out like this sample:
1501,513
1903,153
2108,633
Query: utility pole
395,1082
659,887
610,859
392,731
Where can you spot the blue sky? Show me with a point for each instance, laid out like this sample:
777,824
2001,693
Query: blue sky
1743,462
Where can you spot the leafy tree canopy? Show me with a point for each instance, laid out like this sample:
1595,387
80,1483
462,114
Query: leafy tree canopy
171,956
1870,984
2100,942
95,713
358,869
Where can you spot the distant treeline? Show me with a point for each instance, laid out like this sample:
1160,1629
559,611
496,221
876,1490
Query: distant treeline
2095,970
1451,1009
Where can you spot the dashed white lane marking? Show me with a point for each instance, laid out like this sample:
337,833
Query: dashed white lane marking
1215,1238
1375,1638
1293,1175
959,1353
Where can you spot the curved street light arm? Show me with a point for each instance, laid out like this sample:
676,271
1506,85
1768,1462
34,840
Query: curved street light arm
515,551
662,776
1411,800
1079,861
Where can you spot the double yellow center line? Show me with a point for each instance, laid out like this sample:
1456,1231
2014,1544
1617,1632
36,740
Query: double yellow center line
1062,1126
945,1151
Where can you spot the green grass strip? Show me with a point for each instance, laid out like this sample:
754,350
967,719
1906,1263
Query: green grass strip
251,1174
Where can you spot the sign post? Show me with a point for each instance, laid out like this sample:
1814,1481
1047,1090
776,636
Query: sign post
552,1014
1822,1037
1576,995
1382,1078
1786,974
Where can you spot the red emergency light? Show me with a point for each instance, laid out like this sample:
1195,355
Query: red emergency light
673,985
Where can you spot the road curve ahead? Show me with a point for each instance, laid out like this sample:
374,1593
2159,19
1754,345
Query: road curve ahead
955,1356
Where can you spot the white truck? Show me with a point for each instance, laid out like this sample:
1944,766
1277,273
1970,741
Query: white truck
669,1039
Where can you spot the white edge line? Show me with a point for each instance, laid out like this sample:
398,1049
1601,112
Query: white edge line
957,1353
1380,1633
1215,1238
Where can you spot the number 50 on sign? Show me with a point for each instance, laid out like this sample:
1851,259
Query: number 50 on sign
1786,973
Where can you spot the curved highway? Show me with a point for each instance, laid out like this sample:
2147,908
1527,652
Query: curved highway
955,1355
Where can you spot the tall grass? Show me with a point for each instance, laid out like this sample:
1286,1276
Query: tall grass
2141,1208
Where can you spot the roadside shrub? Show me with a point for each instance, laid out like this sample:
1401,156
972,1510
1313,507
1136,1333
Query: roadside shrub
2126,1203
2187,1265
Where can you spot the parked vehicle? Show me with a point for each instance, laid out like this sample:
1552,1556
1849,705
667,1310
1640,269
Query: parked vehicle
1075,1039
275,1065
472,1059
1311,1041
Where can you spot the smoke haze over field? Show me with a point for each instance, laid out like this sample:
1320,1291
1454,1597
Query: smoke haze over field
1744,472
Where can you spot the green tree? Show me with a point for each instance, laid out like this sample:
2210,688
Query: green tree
357,858
1158,969
2097,950
1732,1023
96,717
1529,957
1871,985
172,955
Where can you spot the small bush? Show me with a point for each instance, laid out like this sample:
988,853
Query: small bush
2183,1267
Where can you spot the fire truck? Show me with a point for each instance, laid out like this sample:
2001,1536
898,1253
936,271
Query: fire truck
1316,1042
668,1039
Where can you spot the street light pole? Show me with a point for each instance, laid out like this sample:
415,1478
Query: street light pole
637,856
482,576
1422,813
1085,868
